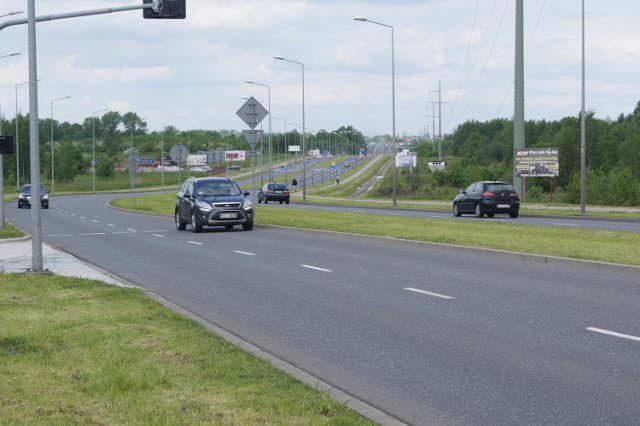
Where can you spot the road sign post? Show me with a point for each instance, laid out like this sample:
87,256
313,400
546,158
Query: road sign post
252,113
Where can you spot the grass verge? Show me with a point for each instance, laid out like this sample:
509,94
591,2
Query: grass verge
75,351
586,244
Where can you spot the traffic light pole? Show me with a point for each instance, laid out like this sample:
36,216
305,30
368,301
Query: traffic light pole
45,18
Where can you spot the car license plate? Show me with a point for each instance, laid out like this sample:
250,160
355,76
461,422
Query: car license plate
228,215
504,206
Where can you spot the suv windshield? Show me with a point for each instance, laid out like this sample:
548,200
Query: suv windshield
209,189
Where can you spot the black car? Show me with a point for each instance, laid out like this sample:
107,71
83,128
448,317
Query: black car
212,201
274,192
24,197
487,197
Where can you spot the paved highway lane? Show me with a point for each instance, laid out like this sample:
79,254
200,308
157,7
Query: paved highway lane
427,334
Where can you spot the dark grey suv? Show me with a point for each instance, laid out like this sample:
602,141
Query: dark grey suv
212,201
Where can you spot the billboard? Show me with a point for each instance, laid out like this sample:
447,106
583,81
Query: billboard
406,159
234,155
534,162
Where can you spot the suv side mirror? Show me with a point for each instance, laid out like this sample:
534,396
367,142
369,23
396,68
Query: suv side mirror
246,193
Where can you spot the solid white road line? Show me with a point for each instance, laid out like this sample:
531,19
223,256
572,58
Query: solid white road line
316,268
614,334
428,293
246,253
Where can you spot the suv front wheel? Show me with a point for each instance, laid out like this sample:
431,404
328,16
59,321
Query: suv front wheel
180,225
195,226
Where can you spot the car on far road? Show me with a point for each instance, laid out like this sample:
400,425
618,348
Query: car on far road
274,192
487,198
24,197
212,201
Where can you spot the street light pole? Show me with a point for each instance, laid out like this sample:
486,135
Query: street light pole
393,103
270,145
2,160
304,137
52,166
93,155
286,147
18,139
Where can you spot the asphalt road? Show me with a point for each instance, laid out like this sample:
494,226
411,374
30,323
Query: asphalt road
427,334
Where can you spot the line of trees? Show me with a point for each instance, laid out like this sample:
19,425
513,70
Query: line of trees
115,133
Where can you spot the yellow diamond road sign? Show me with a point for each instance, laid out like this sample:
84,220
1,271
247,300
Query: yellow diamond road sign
252,113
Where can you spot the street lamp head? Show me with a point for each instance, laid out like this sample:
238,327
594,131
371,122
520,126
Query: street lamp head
360,18
280,58
248,81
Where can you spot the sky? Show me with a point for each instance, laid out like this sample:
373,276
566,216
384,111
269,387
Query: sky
453,62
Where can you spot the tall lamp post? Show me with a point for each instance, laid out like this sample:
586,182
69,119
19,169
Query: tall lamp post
93,156
393,103
1,156
270,145
18,139
52,166
286,147
304,137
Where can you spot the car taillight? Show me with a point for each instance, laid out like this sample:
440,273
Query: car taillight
514,194
488,194
269,191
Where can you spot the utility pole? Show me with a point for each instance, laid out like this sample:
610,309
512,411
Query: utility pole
518,118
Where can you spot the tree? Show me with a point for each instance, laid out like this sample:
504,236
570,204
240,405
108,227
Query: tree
68,161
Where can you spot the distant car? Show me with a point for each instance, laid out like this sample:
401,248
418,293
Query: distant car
212,201
24,197
274,192
487,198
233,167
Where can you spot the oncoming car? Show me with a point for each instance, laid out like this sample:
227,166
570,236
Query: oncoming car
487,198
274,192
25,196
210,201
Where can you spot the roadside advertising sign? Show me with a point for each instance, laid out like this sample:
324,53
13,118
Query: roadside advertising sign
534,162
234,155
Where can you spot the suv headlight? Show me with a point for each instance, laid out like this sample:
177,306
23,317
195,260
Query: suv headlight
45,197
203,206
247,204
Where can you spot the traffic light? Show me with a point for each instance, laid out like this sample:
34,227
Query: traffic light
6,144
166,9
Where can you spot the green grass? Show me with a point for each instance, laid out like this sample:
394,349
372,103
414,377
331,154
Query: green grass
75,351
9,231
587,244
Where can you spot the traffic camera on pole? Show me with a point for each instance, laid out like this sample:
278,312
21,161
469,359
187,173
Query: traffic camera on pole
165,9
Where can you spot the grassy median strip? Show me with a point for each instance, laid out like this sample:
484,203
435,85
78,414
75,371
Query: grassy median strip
585,244
75,351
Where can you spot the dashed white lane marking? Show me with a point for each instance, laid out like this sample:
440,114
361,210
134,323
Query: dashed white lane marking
95,221
93,233
124,232
158,235
315,268
59,235
83,218
111,225
614,334
246,253
428,293
195,242
155,231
